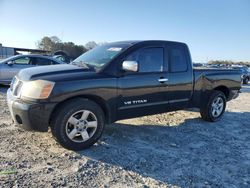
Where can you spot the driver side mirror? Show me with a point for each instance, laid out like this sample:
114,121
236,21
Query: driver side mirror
130,66
10,63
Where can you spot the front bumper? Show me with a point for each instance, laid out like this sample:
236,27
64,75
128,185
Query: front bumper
30,115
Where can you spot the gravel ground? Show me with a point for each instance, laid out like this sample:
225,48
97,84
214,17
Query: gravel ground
174,149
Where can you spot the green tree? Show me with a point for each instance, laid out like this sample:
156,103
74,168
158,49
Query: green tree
90,45
54,44
225,62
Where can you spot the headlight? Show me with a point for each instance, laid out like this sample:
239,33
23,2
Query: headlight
38,89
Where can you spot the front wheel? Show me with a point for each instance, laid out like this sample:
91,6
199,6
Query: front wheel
215,107
78,124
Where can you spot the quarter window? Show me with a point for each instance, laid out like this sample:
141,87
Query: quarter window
178,60
149,59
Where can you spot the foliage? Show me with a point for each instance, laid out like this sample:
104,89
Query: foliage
90,45
11,171
224,62
54,44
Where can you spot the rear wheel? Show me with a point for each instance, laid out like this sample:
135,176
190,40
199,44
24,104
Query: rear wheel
78,124
215,107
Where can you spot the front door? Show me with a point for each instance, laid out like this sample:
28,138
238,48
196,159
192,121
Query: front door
143,92
9,71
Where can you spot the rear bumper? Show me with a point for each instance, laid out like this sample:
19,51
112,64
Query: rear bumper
30,116
233,94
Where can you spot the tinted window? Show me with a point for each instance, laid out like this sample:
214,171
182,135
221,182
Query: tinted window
178,59
22,61
149,59
41,61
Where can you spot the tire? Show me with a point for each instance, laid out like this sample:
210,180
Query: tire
246,80
208,111
78,124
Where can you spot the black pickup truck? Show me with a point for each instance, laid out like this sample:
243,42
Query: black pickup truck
117,81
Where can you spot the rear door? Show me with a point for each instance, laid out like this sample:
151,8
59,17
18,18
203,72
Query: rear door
143,92
180,84
38,61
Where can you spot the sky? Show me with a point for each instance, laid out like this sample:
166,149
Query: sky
213,29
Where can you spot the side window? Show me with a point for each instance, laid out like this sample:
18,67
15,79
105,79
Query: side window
22,61
178,59
149,59
41,61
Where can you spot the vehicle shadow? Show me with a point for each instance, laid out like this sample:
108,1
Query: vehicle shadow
194,153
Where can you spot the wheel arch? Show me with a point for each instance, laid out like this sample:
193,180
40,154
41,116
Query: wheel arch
98,100
224,90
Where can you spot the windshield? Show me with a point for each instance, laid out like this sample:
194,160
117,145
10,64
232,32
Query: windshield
7,59
99,56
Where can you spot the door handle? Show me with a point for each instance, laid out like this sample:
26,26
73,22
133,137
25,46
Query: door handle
162,80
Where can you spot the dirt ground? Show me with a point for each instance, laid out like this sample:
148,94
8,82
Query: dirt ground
174,149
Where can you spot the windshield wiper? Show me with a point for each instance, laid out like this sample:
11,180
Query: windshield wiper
90,67
85,65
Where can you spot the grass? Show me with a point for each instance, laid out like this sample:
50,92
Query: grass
4,172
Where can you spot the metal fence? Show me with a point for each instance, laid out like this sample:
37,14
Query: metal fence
6,52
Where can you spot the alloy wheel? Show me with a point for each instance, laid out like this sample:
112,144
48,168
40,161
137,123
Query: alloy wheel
81,126
217,107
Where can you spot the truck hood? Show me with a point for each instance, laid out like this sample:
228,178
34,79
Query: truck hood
55,73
